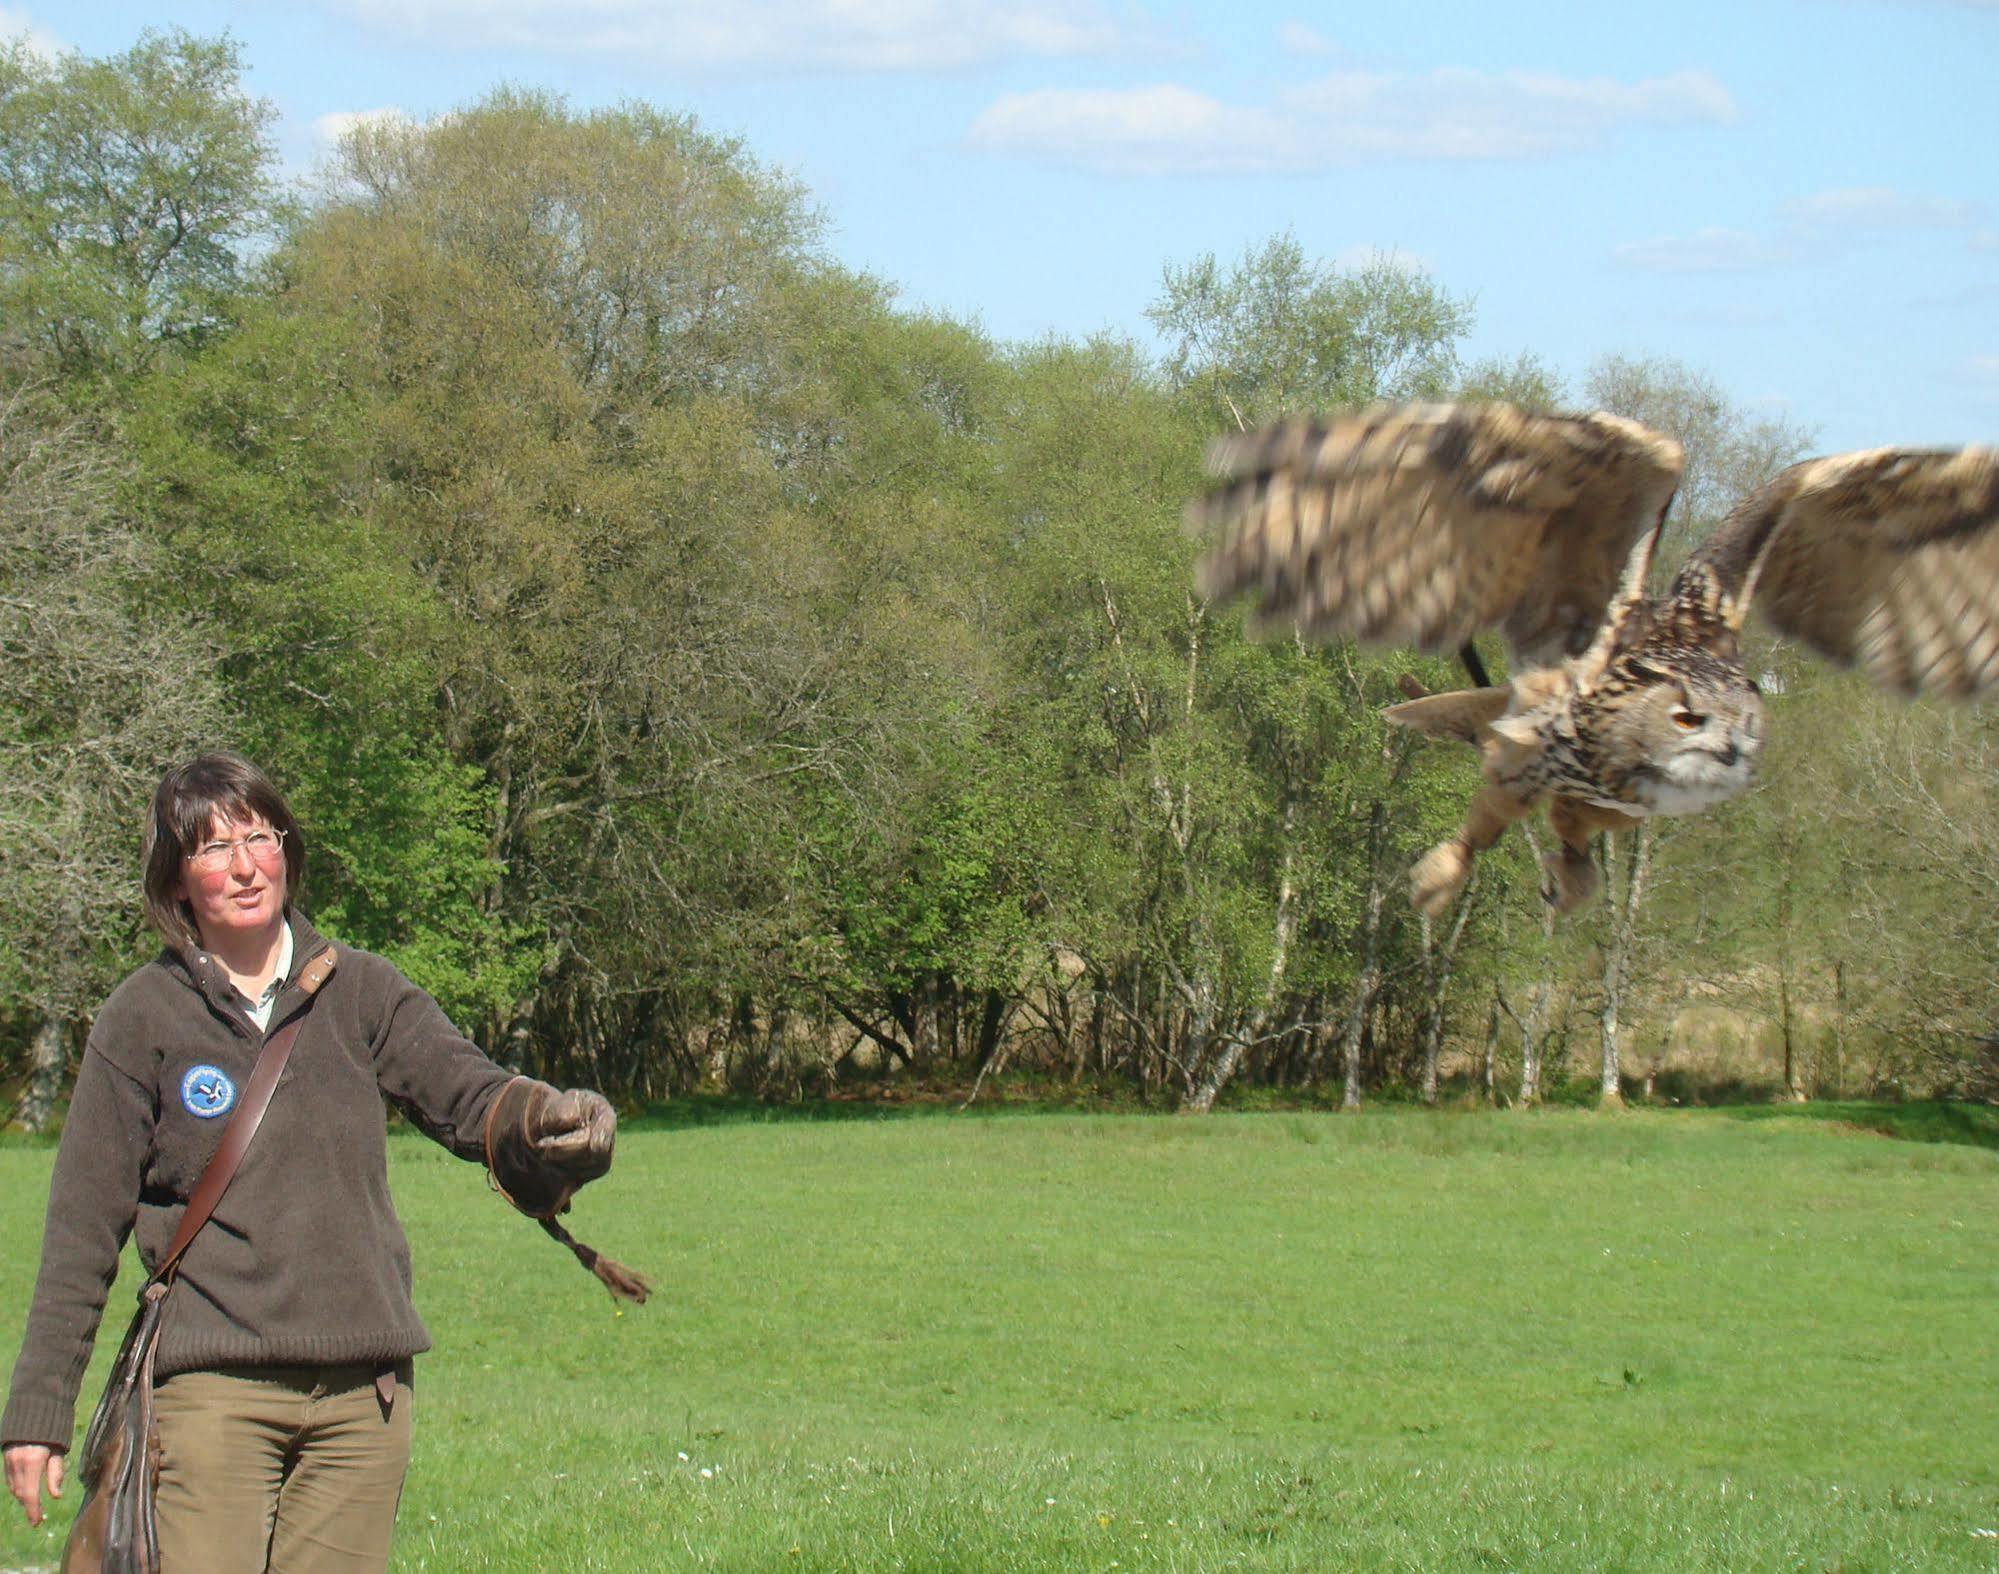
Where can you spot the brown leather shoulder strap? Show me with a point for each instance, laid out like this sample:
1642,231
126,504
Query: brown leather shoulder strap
244,1123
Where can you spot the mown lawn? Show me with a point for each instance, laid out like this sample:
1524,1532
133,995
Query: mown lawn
1290,1341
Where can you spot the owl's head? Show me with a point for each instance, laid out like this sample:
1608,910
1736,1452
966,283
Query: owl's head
1683,728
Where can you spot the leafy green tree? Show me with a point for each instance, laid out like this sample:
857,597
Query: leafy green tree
252,464
1525,380
1903,796
1278,334
130,187
697,511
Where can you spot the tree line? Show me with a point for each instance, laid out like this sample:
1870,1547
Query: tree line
695,667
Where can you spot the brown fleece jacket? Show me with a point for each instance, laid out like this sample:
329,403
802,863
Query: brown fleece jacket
303,1262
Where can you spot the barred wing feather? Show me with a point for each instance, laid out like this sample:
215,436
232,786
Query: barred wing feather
1886,559
1423,525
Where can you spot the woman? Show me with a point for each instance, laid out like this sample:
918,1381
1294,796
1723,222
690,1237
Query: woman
283,1368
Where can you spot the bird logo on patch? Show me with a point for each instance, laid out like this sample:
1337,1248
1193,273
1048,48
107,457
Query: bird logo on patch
206,1092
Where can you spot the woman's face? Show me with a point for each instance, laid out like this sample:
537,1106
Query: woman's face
245,896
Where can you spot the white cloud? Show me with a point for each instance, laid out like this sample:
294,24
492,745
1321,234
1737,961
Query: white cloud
1159,130
1875,208
841,35
1302,38
327,130
1345,118
1456,113
1823,224
19,27
1705,251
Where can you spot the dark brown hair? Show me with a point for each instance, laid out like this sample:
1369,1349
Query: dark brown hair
185,808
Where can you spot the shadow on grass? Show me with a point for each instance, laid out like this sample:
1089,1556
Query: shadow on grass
904,1102
1969,1125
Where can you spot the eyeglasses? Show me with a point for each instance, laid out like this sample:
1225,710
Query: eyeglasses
264,847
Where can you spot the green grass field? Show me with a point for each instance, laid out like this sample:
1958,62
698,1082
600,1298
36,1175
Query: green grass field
1276,1341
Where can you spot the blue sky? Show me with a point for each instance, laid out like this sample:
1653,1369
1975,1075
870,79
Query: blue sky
1800,199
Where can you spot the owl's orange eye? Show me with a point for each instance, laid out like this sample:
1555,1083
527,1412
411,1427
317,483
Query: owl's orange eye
1686,720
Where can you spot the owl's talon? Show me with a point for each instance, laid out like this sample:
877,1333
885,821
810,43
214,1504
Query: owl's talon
1572,880
1438,877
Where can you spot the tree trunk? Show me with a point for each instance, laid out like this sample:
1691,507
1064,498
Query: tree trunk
1617,964
1437,968
994,1017
1222,1066
48,1059
1839,1029
1540,1010
1786,959
1540,1003
920,1022
1792,1090
893,1049
993,1020
1433,1014
1204,1081
1492,1051
1368,984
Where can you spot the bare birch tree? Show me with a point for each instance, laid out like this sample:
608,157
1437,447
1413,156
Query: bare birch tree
1438,962
98,694
1624,895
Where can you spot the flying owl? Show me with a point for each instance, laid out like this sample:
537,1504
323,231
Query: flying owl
1424,525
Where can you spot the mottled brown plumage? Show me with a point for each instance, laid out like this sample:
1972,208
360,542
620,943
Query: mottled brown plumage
1425,525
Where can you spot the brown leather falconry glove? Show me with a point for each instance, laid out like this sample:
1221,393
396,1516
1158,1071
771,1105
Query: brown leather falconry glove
541,1145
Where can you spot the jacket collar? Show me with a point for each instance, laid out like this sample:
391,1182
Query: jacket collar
210,979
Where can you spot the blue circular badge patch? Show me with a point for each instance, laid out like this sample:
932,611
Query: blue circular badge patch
207,1092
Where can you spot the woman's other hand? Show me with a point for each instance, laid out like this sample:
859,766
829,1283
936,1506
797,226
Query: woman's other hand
27,1464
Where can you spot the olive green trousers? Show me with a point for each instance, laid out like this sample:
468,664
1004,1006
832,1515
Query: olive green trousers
292,1469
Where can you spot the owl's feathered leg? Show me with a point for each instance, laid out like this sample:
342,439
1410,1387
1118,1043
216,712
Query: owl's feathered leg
1441,872
1572,876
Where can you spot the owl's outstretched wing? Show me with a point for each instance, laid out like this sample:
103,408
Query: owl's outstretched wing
1887,560
1423,525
